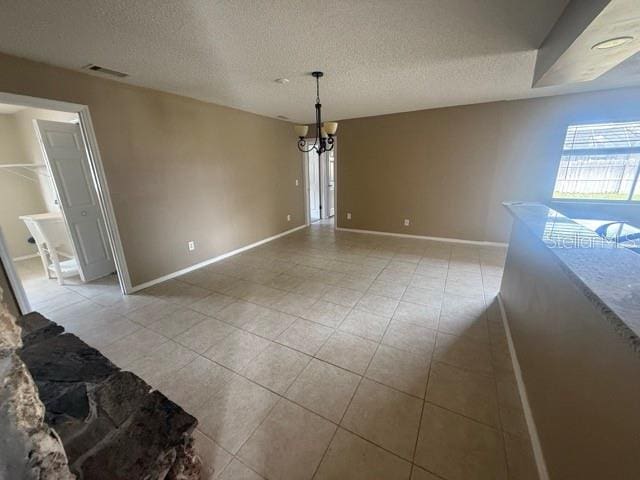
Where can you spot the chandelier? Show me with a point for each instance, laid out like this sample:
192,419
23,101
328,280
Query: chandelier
324,132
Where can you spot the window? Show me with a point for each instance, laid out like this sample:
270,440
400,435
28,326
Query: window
600,162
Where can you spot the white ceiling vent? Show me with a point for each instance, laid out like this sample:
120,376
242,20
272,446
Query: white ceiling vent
104,71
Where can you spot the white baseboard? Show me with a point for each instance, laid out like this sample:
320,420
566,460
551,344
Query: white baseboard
541,465
169,276
422,237
25,257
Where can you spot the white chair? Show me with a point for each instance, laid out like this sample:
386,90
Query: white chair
49,233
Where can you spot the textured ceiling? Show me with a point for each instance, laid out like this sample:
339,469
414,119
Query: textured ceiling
379,56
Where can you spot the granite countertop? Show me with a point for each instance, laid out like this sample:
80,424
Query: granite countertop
607,273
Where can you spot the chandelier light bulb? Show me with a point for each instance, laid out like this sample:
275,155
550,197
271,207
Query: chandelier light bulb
301,130
331,127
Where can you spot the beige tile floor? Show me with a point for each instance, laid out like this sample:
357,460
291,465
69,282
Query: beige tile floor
325,355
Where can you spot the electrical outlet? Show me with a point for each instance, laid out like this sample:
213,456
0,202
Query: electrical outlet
348,215
288,218
406,222
297,182
191,245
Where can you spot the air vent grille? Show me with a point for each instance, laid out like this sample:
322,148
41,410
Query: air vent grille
105,71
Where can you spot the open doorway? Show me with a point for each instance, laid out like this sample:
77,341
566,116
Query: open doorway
320,173
330,183
56,246
313,182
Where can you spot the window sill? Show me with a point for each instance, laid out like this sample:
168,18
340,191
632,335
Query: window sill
584,201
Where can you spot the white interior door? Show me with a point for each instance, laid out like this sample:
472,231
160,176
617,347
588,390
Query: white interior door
331,183
314,186
327,184
66,154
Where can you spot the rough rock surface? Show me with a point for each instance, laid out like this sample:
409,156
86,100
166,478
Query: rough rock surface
139,446
111,423
67,412
36,328
29,449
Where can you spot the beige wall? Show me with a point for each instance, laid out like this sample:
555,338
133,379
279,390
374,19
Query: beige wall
178,169
18,195
449,169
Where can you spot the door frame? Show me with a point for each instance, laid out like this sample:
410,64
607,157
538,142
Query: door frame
322,167
12,277
307,192
335,181
97,171
325,180
305,185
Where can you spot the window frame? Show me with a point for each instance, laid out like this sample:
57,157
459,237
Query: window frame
598,151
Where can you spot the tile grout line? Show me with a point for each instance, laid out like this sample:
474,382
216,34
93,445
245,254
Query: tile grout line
281,397
495,383
426,388
355,390
314,356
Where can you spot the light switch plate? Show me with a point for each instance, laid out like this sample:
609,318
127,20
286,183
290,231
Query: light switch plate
348,215
288,218
191,245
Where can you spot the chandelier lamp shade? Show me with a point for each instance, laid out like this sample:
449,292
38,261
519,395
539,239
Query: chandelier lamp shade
324,132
